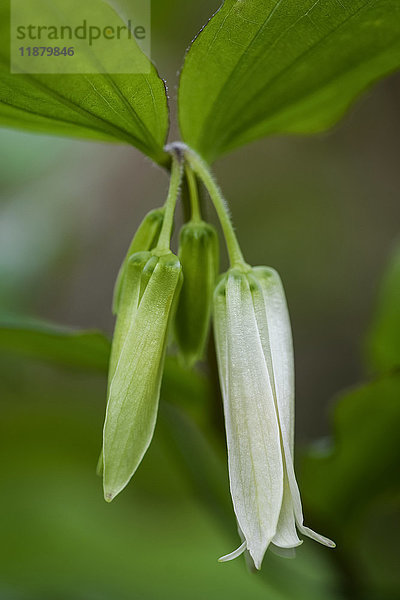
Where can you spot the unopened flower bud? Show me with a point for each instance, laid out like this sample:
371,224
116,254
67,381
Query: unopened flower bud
145,238
199,256
151,285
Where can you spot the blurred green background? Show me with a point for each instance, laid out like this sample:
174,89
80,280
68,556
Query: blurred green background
324,211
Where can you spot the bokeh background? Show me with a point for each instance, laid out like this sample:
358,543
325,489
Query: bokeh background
324,211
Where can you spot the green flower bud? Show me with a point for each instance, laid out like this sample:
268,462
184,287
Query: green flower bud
145,238
151,285
137,269
199,256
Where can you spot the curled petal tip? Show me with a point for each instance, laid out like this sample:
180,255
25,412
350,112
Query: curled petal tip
234,554
317,536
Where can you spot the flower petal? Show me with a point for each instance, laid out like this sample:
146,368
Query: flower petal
276,338
278,344
234,554
278,349
298,511
286,534
253,439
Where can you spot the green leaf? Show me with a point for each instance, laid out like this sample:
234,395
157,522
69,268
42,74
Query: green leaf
348,487
60,345
128,108
384,337
282,66
365,456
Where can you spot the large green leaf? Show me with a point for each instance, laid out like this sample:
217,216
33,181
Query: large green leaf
55,344
128,108
282,66
384,337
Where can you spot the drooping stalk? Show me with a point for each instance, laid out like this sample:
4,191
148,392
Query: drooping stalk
163,245
202,170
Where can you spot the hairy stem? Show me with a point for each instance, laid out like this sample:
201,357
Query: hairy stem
203,172
174,186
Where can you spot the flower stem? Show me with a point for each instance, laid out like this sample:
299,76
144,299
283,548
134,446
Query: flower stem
169,206
193,193
203,172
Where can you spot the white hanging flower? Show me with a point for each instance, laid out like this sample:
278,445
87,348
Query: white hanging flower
255,359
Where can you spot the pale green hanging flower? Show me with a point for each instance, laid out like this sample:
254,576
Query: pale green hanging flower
148,296
144,240
145,299
255,358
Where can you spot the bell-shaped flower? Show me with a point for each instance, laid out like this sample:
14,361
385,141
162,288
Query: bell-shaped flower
255,359
148,296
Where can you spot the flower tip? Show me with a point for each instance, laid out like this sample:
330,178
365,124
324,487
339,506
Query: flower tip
234,554
317,537
109,496
257,558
